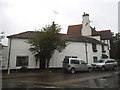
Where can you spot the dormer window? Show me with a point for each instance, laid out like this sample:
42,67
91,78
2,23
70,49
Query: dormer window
94,47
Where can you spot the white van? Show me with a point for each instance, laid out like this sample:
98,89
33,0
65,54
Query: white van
76,64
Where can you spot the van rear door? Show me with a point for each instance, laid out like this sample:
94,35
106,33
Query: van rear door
65,63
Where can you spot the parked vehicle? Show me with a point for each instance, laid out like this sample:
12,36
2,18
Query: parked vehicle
104,64
75,64
118,61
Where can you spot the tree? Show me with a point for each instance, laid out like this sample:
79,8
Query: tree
115,46
47,41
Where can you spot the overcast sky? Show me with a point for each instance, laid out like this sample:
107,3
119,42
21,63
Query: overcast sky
25,15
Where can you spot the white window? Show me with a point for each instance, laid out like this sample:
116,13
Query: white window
95,59
22,61
94,47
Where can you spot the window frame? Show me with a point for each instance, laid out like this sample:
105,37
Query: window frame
20,62
71,61
95,59
94,47
103,49
82,62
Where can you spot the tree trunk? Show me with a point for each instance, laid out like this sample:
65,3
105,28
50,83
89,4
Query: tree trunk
42,63
47,64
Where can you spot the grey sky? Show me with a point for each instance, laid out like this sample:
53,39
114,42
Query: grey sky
24,15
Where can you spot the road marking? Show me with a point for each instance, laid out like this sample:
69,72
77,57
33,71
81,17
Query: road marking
34,82
45,87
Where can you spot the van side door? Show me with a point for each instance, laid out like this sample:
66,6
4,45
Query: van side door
83,65
75,64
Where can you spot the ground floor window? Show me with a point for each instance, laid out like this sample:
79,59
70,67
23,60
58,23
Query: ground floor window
22,61
104,56
95,59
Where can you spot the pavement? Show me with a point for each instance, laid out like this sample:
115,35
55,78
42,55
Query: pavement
31,73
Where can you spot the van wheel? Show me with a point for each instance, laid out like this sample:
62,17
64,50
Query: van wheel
89,69
103,68
115,68
72,70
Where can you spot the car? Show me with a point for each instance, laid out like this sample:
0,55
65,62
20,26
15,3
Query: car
118,61
75,64
104,64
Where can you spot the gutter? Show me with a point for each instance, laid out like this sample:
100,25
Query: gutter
86,52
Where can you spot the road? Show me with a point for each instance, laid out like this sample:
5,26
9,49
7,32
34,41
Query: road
95,79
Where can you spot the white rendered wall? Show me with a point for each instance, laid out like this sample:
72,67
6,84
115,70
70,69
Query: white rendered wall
77,49
20,48
107,51
73,49
107,42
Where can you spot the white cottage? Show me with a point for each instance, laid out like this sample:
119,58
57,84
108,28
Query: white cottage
84,42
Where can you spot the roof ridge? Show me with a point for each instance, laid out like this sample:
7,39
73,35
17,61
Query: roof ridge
74,25
104,30
19,33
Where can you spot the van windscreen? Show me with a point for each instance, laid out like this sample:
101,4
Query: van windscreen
66,60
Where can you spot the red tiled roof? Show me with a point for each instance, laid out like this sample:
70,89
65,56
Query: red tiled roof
73,34
76,38
105,34
24,35
67,37
94,32
74,29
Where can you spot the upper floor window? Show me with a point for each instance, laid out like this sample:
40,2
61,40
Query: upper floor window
94,47
103,49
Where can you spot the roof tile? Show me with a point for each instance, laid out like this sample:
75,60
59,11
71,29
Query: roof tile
105,34
76,38
74,29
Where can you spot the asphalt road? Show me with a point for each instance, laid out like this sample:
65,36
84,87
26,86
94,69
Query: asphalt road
95,79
